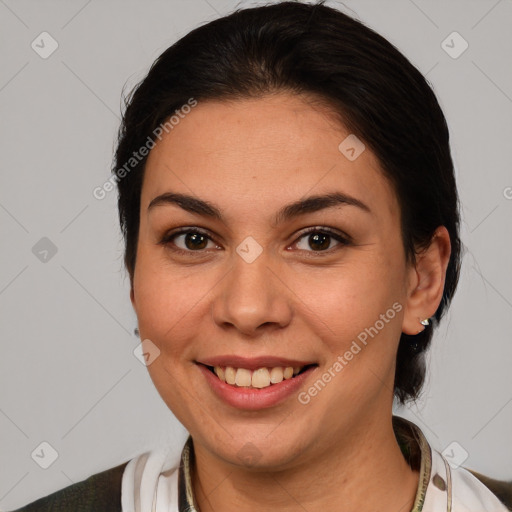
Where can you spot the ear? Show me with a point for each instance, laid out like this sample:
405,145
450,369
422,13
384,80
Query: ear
426,282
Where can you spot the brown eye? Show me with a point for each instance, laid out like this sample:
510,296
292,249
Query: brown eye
318,240
190,241
195,241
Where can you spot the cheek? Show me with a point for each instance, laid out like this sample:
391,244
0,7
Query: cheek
347,299
170,306
169,300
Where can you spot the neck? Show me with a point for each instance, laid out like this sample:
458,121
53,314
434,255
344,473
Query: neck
363,473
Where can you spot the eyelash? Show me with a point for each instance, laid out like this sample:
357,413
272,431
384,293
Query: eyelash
343,240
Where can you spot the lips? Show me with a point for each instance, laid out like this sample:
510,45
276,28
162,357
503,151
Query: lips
254,383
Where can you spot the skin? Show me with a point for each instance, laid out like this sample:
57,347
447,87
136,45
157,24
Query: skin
250,158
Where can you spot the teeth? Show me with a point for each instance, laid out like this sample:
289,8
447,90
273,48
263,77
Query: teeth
260,378
220,373
243,377
230,374
276,375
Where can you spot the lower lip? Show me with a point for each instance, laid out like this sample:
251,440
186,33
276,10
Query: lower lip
252,399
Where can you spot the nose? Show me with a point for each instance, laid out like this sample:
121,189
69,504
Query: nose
252,299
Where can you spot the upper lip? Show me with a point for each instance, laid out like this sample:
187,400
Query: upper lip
252,363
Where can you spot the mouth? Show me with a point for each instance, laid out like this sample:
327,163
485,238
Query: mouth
255,383
259,378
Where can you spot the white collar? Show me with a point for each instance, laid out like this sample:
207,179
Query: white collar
148,480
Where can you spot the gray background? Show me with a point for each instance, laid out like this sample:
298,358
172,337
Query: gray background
68,375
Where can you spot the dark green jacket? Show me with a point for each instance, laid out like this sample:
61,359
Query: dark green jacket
99,493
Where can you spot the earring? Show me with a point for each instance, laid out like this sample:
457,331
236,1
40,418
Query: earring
136,331
425,322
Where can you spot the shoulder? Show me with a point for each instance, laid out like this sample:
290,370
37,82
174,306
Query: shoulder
465,489
99,492
501,489
445,485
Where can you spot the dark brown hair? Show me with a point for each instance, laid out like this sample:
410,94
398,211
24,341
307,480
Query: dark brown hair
317,51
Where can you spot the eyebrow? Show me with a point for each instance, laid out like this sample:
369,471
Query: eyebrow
302,206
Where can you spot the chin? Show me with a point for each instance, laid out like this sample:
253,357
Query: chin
259,447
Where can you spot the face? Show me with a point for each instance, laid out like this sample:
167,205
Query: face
263,247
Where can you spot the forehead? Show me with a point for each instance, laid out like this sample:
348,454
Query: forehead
266,152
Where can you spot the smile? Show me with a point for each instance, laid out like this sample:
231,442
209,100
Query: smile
255,383
259,378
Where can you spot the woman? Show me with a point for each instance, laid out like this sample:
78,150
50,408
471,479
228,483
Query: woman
290,214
